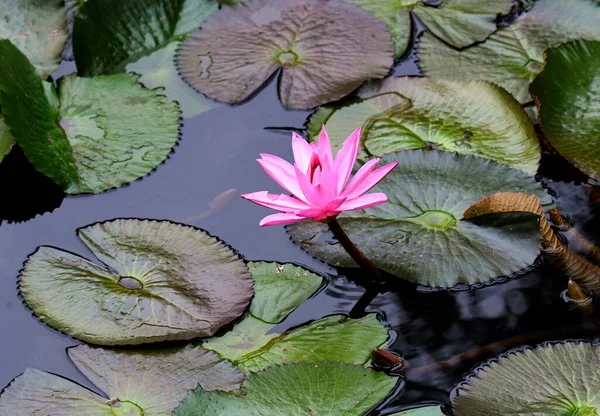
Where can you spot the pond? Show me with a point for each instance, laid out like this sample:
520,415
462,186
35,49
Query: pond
442,334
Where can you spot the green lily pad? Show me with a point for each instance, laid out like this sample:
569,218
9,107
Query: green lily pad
94,133
325,51
420,234
513,56
458,22
422,411
253,345
415,113
6,139
158,70
162,281
149,383
38,28
109,34
553,379
317,388
569,107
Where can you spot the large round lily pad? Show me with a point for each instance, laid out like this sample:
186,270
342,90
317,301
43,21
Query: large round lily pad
38,28
458,22
513,56
569,107
149,383
317,388
420,234
94,133
473,117
325,49
253,345
554,379
162,281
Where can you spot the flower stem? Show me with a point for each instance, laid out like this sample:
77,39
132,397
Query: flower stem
372,291
352,250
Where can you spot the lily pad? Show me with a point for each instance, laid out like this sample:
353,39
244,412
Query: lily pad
553,379
325,50
318,388
253,345
149,383
162,281
417,113
422,411
158,70
94,133
109,34
457,22
569,107
38,28
6,139
420,234
513,56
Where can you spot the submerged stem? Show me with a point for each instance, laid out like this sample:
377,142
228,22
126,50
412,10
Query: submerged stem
373,271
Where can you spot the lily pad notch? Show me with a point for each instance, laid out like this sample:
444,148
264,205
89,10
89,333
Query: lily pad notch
325,50
160,281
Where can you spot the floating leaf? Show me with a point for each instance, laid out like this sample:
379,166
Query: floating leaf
162,281
422,411
158,70
38,28
458,22
326,49
554,379
512,57
95,133
569,107
149,383
413,113
109,34
318,388
419,234
280,288
6,139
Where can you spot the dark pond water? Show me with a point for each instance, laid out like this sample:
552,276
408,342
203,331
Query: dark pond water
442,335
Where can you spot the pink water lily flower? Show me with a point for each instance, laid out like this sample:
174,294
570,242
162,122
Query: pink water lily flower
320,184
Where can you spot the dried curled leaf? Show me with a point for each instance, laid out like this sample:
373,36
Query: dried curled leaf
555,252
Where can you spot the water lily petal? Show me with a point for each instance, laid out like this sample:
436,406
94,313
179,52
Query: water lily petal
346,157
279,219
280,202
283,178
302,152
310,192
371,180
364,201
364,171
282,163
324,148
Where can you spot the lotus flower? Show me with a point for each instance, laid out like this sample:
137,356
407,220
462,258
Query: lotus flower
320,184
